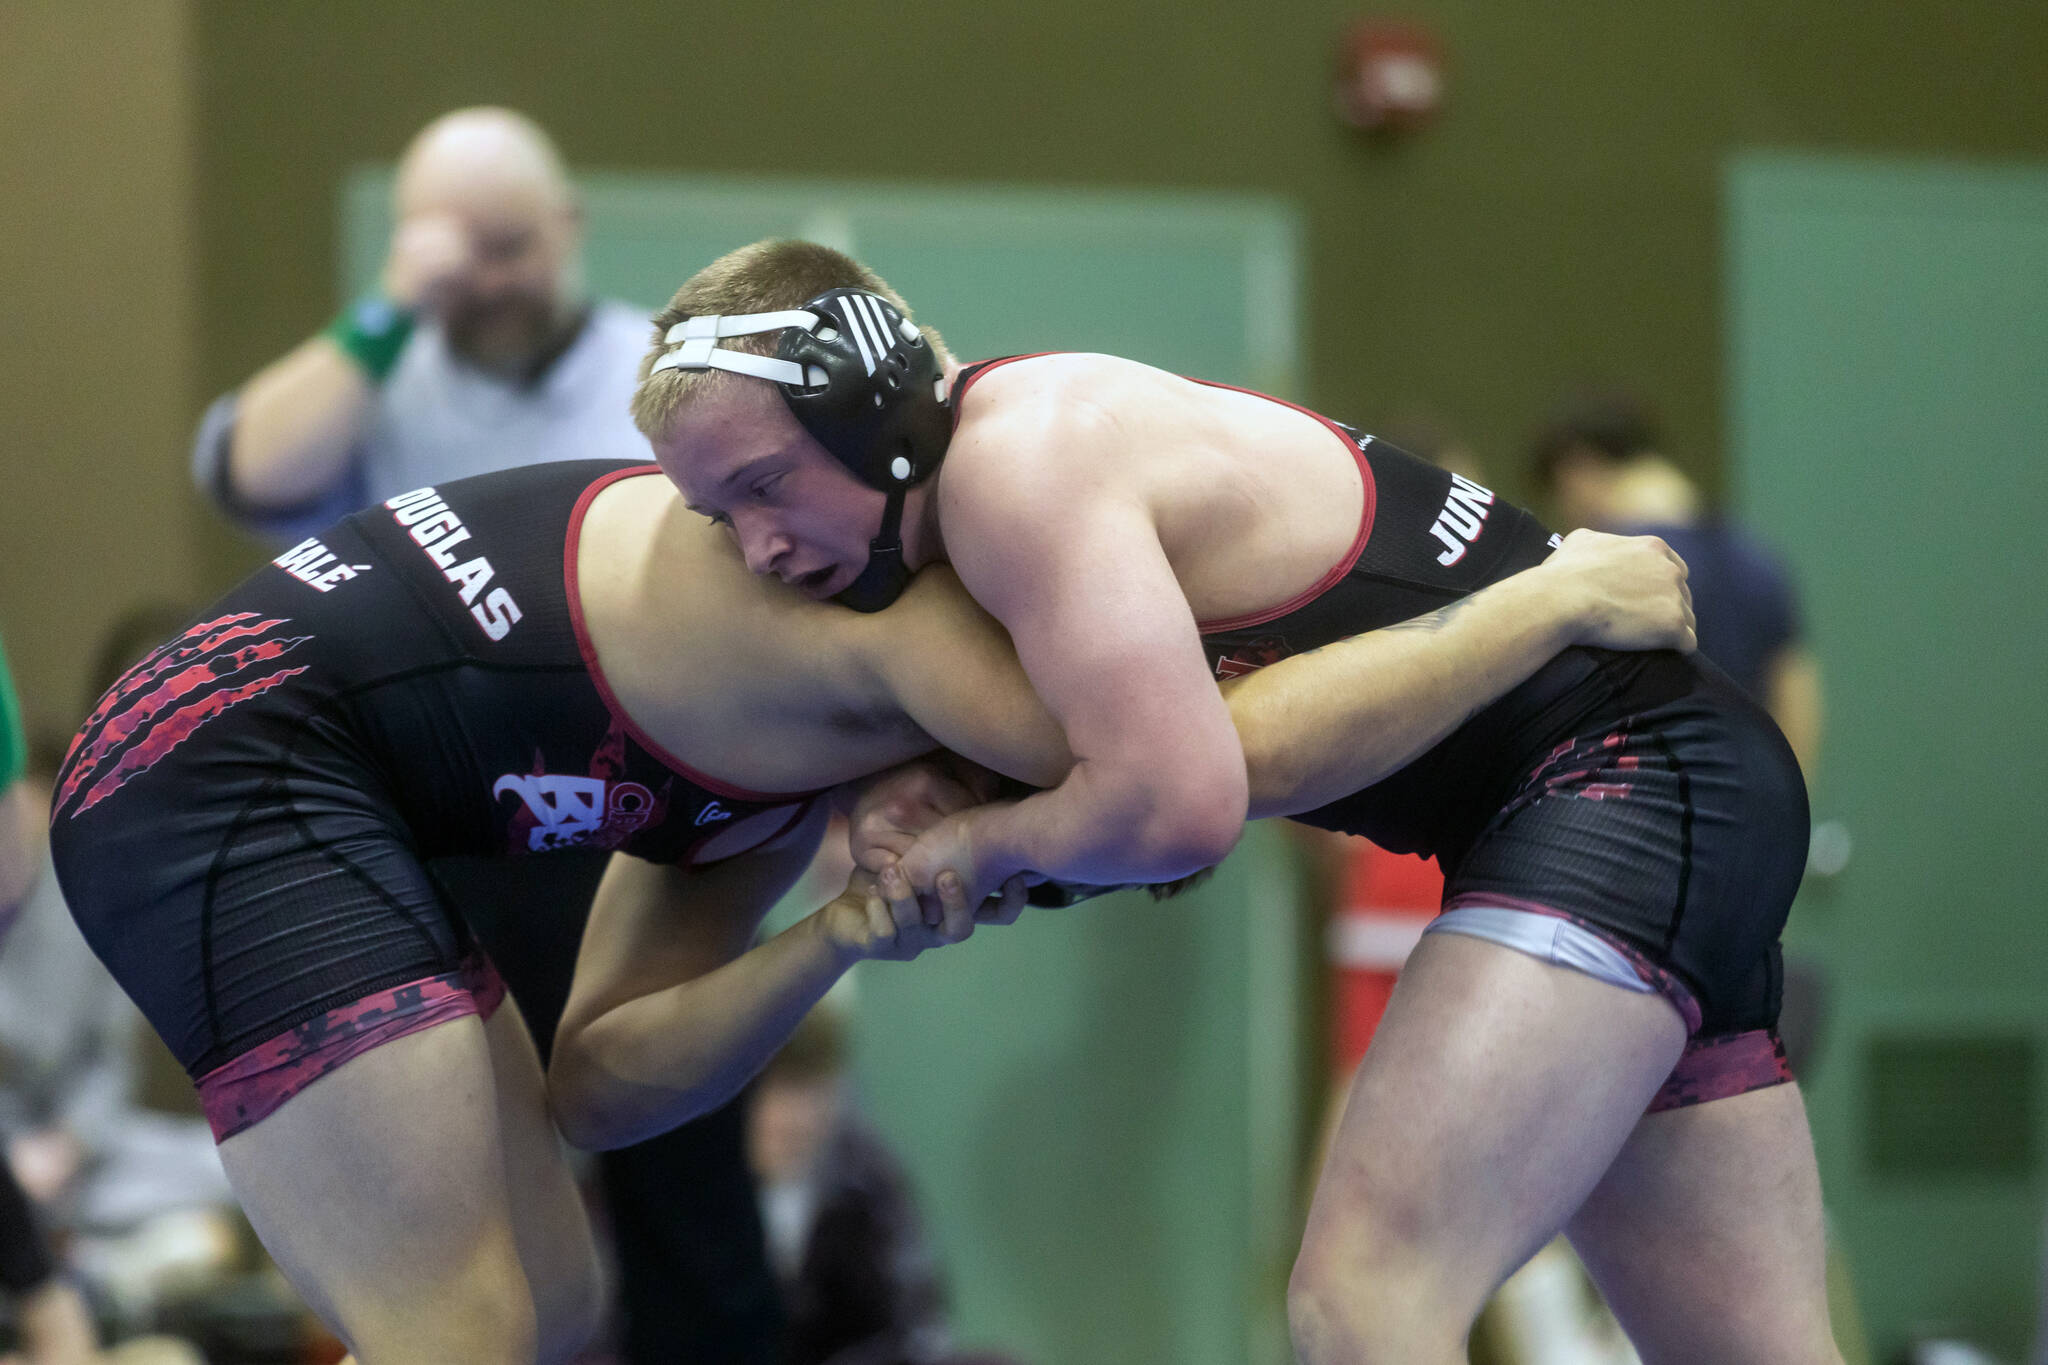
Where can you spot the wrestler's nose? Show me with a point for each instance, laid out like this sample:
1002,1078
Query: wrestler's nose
761,545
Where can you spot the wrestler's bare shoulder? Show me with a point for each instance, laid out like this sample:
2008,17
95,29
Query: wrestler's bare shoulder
1057,392
1253,498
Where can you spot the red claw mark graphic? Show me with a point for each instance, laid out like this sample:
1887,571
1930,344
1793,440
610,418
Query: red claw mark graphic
159,702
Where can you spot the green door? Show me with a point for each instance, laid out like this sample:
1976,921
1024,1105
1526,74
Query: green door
1889,394
1098,1105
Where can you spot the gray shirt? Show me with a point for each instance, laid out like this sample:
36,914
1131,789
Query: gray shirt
439,418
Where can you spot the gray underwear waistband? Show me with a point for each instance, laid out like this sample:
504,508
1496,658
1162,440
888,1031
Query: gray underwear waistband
1545,938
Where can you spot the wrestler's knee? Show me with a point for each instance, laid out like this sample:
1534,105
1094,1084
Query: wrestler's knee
485,1315
1353,1301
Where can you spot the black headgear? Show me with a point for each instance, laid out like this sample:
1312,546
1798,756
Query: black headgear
864,383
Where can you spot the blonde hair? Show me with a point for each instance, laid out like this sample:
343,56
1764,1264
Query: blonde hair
764,277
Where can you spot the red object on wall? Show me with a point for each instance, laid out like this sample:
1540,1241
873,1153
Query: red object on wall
1390,75
1387,900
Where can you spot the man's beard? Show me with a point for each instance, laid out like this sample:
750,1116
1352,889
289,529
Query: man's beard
505,335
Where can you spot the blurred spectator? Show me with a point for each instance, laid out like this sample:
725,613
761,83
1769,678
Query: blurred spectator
46,1317
1599,463
17,842
49,1319
139,1196
843,1233
480,351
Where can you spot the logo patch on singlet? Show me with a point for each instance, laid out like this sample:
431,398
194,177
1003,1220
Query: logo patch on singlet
156,705
438,531
1250,658
558,810
1462,519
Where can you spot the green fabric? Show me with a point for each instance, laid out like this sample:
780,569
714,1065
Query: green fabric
373,330
13,743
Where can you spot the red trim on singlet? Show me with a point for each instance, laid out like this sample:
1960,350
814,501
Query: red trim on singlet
971,373
604,690
254,1084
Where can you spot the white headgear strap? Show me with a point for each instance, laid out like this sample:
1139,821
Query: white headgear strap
700,350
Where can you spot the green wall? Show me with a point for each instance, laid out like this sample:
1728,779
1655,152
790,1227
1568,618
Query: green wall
1888,409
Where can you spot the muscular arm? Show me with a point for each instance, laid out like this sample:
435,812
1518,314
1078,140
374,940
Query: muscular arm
1319,725
296,422
938,661
1070,562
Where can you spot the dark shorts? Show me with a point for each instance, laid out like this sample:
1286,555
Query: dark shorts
1678,835
1645,799
262,902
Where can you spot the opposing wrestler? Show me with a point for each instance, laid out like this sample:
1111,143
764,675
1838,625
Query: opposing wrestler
1622,835
550,657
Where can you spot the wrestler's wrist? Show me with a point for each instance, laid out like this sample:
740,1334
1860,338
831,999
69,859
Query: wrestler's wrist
843,930
991,856
1556,600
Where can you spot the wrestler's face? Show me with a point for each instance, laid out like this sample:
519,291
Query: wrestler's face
741,459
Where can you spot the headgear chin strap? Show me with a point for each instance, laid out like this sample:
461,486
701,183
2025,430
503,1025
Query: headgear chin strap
863,382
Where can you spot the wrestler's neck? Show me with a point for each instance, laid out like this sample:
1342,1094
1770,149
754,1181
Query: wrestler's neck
924,541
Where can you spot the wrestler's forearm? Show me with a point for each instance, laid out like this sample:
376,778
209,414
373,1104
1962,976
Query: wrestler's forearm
1321,725
659,1060
1099,828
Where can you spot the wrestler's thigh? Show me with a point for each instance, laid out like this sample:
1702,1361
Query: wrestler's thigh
549,1223
380,1191
1496,1091
1706,1235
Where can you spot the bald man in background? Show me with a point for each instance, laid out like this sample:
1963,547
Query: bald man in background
480,351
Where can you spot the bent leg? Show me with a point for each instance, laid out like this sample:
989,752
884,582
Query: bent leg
1706,1235
1497,1090
549,1224
381,1191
